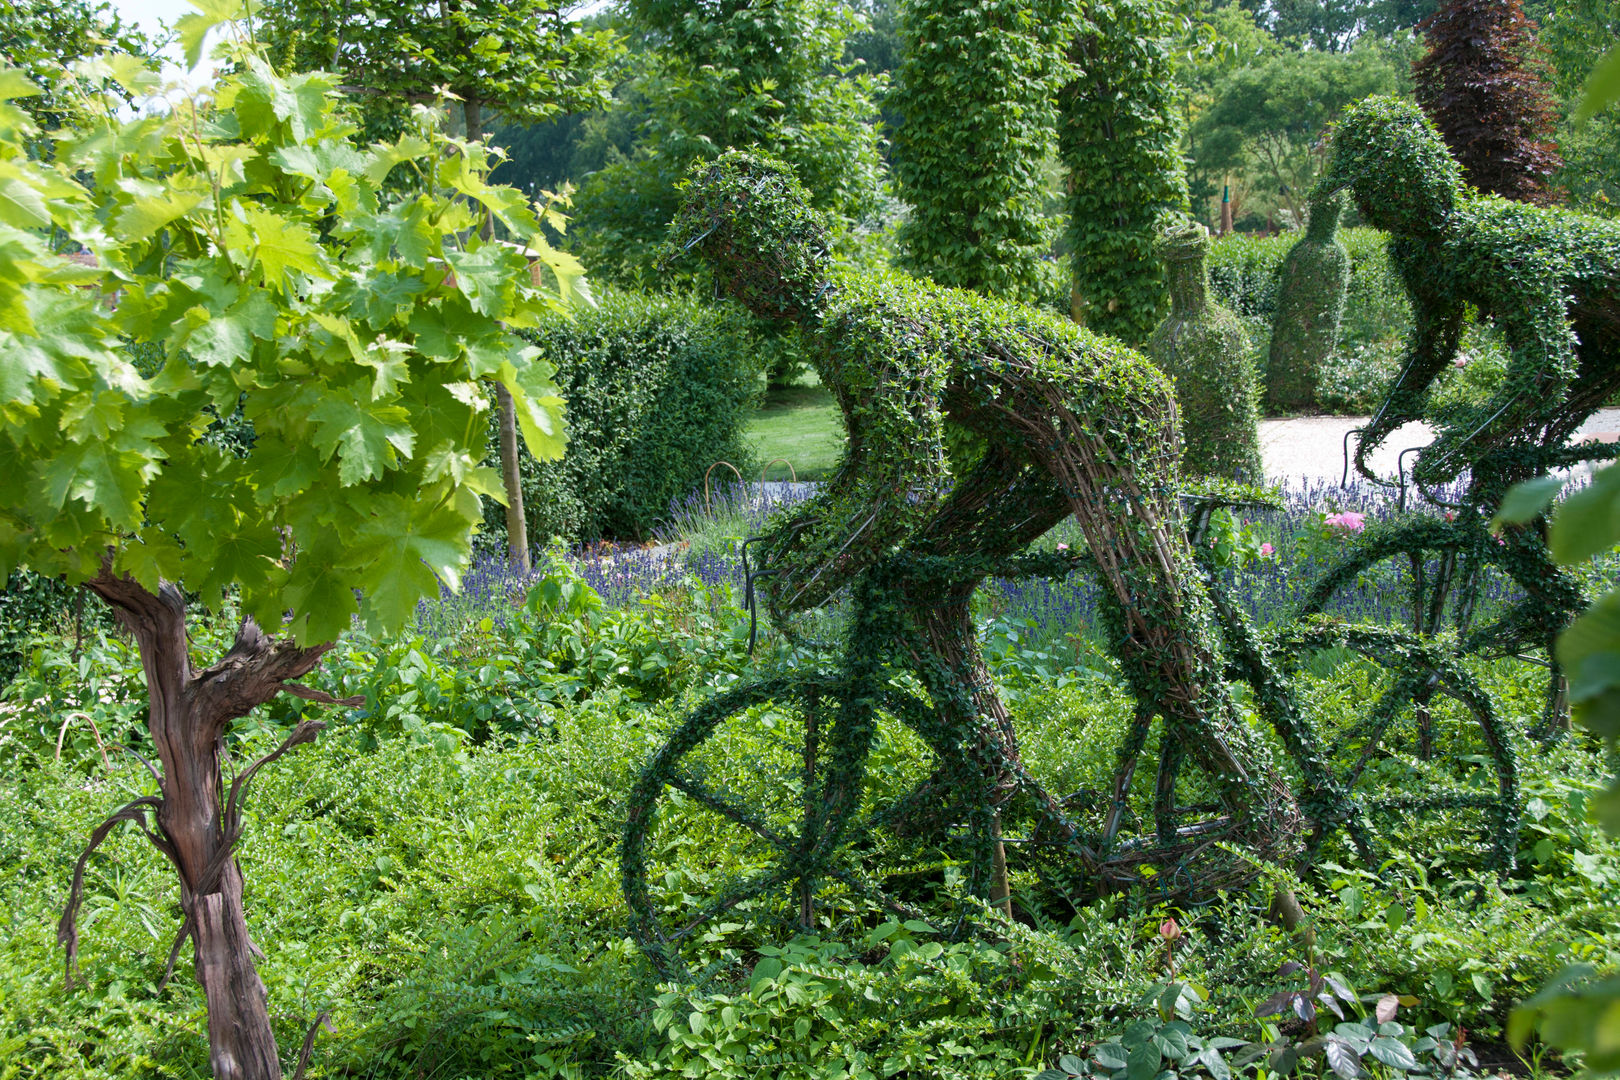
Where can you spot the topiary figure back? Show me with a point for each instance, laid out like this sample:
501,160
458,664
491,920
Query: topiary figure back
1203,347
1310,305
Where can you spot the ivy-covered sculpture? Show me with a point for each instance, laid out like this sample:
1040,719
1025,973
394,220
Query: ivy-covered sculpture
1204,348
1550,281
1310,306
975,425
1548,278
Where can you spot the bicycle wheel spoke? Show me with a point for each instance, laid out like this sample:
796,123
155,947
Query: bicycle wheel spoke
728,809
739,893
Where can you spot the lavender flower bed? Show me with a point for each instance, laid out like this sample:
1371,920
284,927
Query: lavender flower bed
702,538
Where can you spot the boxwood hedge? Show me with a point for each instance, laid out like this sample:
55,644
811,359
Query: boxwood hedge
658,389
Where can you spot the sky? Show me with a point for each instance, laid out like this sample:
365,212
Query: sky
150,16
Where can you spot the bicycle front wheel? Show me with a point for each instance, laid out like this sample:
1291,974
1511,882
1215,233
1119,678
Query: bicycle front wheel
755,820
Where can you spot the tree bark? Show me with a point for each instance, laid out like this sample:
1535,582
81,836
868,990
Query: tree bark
198,818
517,528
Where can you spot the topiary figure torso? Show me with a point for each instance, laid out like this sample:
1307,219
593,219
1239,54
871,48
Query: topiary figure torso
1548,278
1048,419
1204,348
1310,305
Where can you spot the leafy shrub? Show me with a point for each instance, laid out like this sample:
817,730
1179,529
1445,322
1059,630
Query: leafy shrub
658,389
29,604
812,1009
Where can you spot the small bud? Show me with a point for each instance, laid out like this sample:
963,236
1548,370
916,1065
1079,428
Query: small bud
1169,930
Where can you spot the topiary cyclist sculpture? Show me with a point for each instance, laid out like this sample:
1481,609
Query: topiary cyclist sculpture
974,426
1549,279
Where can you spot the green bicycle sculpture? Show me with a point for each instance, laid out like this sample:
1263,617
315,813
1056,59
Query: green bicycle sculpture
974,427
1549,279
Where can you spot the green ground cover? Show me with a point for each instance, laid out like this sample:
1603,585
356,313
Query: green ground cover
440,871
800,424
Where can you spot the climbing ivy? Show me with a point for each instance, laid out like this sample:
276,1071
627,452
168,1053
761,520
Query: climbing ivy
976,89
1204,348
1310,306
1119,137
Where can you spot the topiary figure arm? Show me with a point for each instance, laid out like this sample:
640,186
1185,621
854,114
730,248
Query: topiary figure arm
1436,331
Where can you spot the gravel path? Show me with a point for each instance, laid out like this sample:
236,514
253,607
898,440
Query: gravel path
1312,447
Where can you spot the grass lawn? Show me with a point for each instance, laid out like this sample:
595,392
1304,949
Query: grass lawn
799,423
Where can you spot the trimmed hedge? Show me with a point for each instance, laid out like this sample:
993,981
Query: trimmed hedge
1310,307
1244,275
658,389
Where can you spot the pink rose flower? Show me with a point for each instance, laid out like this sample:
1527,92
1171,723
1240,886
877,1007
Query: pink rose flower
1348,520
1265,551
1063,547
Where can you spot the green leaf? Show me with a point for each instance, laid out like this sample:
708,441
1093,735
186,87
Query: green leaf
1588,522
368,438
385,156
539,408
1524,501
149,213
280,245
1602,87
320,592
21,205
106,480
406,551
193,28
15,83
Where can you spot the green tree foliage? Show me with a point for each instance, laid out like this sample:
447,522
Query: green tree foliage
1336,25
1578,36
522,58
1203,348
1310,306
767,74
1266,119
336,304
38,36
1119,137
658,388
1482,82
976,88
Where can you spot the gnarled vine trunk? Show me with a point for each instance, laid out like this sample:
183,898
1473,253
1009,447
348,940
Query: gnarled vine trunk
199,818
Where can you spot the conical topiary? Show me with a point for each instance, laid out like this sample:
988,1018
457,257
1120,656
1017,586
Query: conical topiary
1310,304
1203,347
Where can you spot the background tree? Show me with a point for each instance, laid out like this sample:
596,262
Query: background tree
1483,84
1267,119
1119,137
1577,35
522,58
39,35
340,307
763,74
976,88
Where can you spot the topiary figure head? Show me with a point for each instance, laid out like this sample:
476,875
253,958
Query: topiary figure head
1395,164
751,219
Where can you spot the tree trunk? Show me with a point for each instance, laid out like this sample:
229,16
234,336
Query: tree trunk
517,529
198,818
